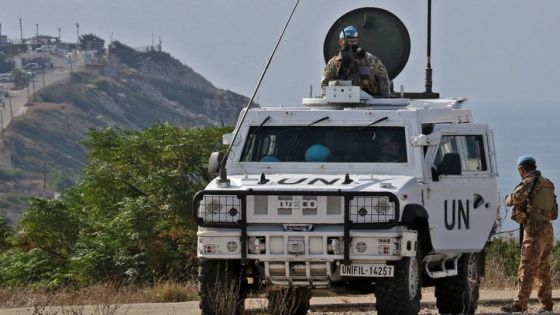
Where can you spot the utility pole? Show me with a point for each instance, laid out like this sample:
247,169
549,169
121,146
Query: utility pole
2,121
11,110
59,34
77,36
28,96
37,34
20,31
34,91
0,33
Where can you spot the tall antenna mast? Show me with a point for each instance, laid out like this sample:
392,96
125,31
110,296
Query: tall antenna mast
429,52
223,173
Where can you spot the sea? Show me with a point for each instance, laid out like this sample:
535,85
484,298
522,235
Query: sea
522,128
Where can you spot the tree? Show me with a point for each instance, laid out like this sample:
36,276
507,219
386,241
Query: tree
92,42
127,219
20,78
6,233
136,195
44,240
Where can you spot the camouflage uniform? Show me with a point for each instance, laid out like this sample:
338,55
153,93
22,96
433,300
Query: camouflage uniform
378,83
537,239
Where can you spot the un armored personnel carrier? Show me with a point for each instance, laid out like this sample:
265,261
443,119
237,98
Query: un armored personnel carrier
389,193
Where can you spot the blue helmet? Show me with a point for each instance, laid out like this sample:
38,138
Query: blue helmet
317,153
270,158
526,160
349,32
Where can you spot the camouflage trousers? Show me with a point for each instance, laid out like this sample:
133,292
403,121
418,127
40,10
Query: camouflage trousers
535,263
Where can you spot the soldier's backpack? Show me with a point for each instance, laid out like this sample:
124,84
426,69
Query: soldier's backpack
553,215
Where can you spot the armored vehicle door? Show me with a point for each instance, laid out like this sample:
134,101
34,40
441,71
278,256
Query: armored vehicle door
461,194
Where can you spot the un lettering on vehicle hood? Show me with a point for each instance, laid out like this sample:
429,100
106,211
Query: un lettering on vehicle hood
310,182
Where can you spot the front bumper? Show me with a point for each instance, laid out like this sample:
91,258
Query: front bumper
307,258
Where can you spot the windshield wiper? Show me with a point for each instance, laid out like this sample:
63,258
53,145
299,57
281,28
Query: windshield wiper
252,134
318,121
259,127
378,121
299,130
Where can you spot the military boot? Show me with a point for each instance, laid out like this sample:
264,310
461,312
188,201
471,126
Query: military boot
514,308
546,309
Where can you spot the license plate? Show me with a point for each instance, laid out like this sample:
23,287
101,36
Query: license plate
367,270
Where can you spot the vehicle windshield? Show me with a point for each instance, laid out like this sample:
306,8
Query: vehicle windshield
325,144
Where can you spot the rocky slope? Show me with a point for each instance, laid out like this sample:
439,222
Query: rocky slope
41,151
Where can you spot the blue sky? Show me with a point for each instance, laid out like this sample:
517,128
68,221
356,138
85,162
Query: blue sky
485,50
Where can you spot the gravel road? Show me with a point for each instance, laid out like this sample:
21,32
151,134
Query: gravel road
19,98
491,302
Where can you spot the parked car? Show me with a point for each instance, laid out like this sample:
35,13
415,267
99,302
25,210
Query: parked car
6,77
32,66
60,52
45,49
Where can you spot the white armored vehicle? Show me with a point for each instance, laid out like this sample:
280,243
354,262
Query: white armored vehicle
393,193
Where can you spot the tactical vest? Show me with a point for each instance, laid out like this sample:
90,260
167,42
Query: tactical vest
542,205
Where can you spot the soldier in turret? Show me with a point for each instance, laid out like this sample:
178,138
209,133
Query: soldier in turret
535,206
357,65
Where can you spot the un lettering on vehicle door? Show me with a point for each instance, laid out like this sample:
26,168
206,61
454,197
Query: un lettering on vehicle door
461,196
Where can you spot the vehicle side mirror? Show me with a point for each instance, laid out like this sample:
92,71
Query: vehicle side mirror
450,165
214,163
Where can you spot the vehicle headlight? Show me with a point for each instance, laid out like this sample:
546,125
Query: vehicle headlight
371,209
220,208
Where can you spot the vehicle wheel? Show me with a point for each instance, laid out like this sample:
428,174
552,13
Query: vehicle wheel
289,301
402,293
221,287
459,294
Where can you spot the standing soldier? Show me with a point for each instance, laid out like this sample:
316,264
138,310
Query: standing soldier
535,206
357,65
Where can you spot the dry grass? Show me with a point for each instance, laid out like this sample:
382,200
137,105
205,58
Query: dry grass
100,294
496,276
108,298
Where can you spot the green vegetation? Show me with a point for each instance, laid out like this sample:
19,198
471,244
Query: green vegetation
20,78
92,42
126,55
127,220
502,261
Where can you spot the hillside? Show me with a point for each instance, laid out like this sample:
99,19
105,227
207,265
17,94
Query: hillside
41,154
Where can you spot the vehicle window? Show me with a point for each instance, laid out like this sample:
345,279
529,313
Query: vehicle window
325,144
470,149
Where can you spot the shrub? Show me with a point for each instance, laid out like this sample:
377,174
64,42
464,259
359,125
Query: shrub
20,78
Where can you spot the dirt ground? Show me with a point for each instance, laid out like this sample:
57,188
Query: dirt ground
491,302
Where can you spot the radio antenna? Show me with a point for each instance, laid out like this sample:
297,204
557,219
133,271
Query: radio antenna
223,172
429,54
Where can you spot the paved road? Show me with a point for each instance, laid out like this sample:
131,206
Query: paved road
19,98
490,303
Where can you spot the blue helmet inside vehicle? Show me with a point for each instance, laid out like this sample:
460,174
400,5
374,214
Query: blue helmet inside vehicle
317,153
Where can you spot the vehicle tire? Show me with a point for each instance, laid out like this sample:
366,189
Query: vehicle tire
459,294
221,287
402,293
289,301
